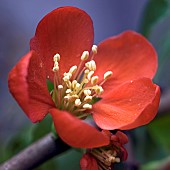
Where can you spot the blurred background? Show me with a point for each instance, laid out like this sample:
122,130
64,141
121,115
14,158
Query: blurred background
18,21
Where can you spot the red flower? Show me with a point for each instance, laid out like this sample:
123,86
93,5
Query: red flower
128,63
105,157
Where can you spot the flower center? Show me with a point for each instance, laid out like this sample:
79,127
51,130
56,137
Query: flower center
105,157
78,88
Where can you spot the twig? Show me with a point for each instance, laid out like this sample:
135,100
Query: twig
36,154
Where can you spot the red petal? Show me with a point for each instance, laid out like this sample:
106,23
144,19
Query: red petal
123,139
75,132
27,83
129,56
88,162
67,31
134,103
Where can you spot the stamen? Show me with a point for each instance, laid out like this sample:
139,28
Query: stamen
69,75
66,78
68,91
60,87
86,71
73,70
90,74
66,98
94,49
56,57
94,80
77,85
56,67
77,102
85,81
87,92
117,159
74,82
98,89
85,55
73,97
88,99
87,106
107,75
91,65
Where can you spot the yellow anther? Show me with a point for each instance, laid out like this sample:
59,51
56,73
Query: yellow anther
87,92
77,102
56,57
85,55
60,87
55,69
56,66
73,69
66,78
87,106
91,65
88,98
73,97
94,49
86,71
117,159
68,91
85,81
66,98
77,86
107,75
90,75
74,82
68,74
98,89
94,80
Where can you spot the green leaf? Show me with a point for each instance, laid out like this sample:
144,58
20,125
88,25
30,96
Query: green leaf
154,11
159,130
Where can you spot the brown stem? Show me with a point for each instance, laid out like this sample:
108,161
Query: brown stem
37,153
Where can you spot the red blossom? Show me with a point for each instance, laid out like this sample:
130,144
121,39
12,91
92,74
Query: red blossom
105,156
129,100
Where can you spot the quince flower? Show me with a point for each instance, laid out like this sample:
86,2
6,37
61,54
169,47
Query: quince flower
105,157
117,73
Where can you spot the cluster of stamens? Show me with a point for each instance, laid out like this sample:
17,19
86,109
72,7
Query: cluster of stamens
105,157
79,86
